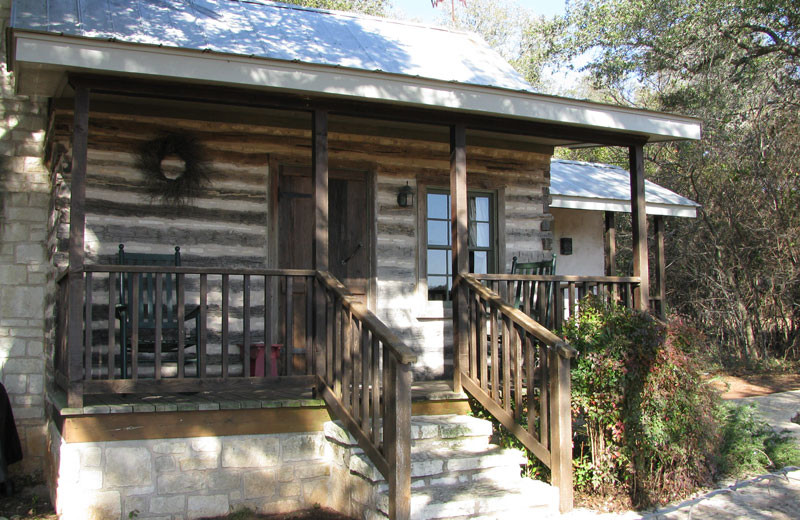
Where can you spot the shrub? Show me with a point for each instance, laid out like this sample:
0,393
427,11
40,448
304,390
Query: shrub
648,418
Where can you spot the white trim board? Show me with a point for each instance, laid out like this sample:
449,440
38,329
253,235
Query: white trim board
597,204
34,52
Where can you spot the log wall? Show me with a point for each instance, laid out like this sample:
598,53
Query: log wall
229,225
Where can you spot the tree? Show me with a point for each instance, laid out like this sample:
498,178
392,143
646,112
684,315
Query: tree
735,64
371,7
518,35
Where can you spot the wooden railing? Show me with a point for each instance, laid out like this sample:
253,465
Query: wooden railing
517,365
551,299
365,378
330,342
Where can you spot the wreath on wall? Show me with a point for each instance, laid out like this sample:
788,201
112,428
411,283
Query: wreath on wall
175,168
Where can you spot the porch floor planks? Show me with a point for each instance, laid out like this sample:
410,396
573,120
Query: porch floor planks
424,394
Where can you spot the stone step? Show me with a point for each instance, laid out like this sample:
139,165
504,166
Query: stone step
523,498
440,431
448,464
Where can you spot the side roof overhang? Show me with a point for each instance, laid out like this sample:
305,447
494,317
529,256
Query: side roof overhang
603,187
41,53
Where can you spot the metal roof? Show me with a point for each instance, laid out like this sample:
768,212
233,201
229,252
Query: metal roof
603,187
277,31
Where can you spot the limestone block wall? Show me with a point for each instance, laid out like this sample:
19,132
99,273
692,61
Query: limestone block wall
171,479
24,211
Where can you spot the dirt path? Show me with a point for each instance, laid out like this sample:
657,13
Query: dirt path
752,385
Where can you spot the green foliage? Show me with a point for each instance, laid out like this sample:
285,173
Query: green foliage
750,446
372,7
648,427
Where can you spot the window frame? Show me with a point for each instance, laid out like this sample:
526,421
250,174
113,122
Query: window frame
496,249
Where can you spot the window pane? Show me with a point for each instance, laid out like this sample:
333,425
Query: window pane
480,262
482,209
481,234
437,261
438,205
437,288
438,233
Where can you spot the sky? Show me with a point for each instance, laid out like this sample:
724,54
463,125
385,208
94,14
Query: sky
422,8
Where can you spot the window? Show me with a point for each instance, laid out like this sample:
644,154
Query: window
482,254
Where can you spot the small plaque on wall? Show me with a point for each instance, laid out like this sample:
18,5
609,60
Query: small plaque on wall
566,246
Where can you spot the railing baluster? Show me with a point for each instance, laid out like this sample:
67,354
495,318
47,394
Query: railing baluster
356,338
87,328
180,287
495,357
112,322
225,311
517,371
366,364
158,325
289,327
572,300
269,338
203,332
506,363
309,284
134,313
347,369
246,329
474,340
330,339
544,397
375,370
529,358
483,360
337,348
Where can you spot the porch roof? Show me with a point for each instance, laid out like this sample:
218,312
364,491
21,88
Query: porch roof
603,187
284,48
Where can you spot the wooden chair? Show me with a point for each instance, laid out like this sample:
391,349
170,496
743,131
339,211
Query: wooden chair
546,267
146,306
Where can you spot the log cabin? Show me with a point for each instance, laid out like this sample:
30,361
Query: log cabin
277,246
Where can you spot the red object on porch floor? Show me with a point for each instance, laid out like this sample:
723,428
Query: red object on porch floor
257,353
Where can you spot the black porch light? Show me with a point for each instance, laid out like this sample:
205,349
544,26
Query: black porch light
405,198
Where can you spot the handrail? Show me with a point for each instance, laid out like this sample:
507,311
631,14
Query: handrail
398,349
364,373
520,318
116,268
505,367
558,278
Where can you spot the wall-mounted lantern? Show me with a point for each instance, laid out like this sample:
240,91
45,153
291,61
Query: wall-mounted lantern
405,198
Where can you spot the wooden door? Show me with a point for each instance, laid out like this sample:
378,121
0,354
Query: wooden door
350,242
349,222
296,227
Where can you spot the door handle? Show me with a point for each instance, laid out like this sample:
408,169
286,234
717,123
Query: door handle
351,255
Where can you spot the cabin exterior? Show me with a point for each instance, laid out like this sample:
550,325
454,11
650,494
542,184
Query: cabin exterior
346,203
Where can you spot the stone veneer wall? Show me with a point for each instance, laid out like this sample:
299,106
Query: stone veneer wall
176,479
24,211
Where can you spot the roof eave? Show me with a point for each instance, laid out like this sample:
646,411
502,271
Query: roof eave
93,55
621,206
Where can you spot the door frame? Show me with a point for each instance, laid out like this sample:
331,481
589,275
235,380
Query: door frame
273,226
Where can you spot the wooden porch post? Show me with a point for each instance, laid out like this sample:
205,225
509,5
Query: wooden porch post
77,222
661,278
641,296
459,239
319,180
611,244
